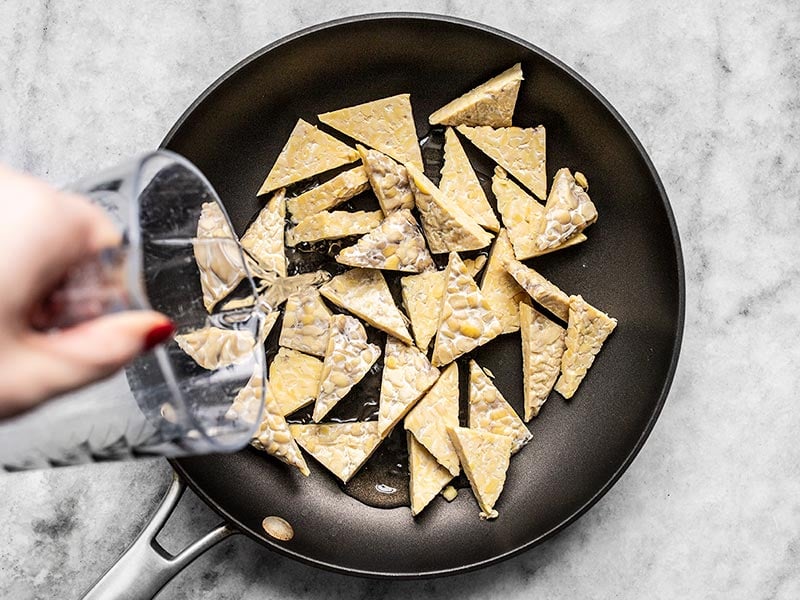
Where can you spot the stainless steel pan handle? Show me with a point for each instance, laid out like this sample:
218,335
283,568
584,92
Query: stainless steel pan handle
146,567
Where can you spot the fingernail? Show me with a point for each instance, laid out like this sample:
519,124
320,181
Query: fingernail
158,334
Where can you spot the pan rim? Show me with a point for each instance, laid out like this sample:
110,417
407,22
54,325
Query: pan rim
679,326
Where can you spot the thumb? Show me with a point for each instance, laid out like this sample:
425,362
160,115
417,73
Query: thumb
73,357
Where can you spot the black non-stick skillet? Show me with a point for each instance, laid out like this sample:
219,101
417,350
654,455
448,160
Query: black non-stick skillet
630,266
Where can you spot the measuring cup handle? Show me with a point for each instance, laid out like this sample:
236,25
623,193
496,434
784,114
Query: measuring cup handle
146,567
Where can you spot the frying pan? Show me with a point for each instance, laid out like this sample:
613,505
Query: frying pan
631,267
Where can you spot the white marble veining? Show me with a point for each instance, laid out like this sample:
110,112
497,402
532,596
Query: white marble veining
710,508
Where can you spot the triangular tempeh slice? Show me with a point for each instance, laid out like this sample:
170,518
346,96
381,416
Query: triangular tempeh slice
540,289
447,227
485,457
264,238
306,321
395,245
542,348
568,211
519,151
407,375
386,125
342,448
460,183
294,378
389,180
499,288
333,226
466,320
489,410
307,152
430,419
427,476
347,359
422,297
588,328
213,347
273,435
218,255
333,192
523,217
248,400
521,214
364,293
491,103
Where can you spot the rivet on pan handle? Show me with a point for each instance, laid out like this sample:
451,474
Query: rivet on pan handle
146,567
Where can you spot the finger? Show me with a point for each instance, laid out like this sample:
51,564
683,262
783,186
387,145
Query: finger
70,358
100,229
78,211
86,230
54,231
90,231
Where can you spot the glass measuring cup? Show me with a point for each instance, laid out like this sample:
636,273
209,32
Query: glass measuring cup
164,403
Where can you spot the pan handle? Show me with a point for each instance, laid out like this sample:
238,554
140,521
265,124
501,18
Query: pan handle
146,567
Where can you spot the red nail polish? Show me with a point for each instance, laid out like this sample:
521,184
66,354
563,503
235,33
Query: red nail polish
158,334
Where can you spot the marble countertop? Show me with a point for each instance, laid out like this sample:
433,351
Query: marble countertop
710,508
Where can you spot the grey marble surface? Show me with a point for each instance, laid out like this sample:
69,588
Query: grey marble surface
711,507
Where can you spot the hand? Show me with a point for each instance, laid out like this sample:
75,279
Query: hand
44,234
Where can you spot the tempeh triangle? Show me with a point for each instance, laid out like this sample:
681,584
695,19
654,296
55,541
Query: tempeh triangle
500,289
407,375
294,378
491,103
388,179
347,359
422,297
466,320
485,458
264,238
587,330
329,194
542,349
218,255
523,217
430,419
489,410
273,435
427,476
342,448
447,227
540,289
395,245
364,293
307,152
568,211
519,151
460,183
386,125
306,321
333,225
213,347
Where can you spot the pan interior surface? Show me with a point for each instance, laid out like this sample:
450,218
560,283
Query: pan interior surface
630,267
